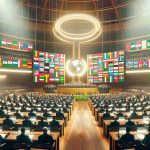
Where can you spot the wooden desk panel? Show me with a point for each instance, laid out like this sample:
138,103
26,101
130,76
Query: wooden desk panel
14,134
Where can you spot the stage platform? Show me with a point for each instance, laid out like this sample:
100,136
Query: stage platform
77,88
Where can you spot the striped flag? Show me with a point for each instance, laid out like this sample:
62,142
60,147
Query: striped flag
105,56
133,45
128,46
19,63
24,63
35,78
138,45
144,44
105,79
116,54
111,79
116,79
15,63
148,43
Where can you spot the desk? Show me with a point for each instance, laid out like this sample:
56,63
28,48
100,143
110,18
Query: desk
106,124
19,122
14,134
66,115
113,138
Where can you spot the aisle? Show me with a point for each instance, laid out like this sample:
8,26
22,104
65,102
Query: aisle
83,132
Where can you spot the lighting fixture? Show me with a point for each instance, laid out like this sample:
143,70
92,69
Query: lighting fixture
137,71
63,35
15,71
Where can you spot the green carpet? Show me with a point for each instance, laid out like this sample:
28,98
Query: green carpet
81,97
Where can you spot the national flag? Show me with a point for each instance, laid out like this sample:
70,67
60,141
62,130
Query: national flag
128,46
145,63
20,45
36,72
131,64
51,79
9,64
105,64
41,70
105,79
116,79
46,60
110,64
116,73
121,78
133,45
36,66
56,79
51,65
15,63
4,42
95,74
51,60
41,54
24,63
41,78
46,78
29,64
90,71
116,54
52,54
25,45
110,55
105,56
116,68
140,63
56,67
9,43
111,78
144,44
35,78
5,61
19,63
46,54
116,63
136,65
30,46
35,53
148,43
41,64
15,44
138,45
41,59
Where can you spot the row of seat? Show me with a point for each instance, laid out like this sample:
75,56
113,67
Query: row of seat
35,111
117,112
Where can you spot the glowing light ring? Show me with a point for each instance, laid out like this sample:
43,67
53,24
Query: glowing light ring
84,37
78,74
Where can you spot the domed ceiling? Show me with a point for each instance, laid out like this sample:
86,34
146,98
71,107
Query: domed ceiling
122,20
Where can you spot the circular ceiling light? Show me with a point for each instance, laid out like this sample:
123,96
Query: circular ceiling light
76,67
90,35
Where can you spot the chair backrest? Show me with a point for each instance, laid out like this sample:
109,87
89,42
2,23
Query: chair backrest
21,146
45,146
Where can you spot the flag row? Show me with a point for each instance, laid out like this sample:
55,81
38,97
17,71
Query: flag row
16,63
138,63
16,44
106,67
48,67
138,45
